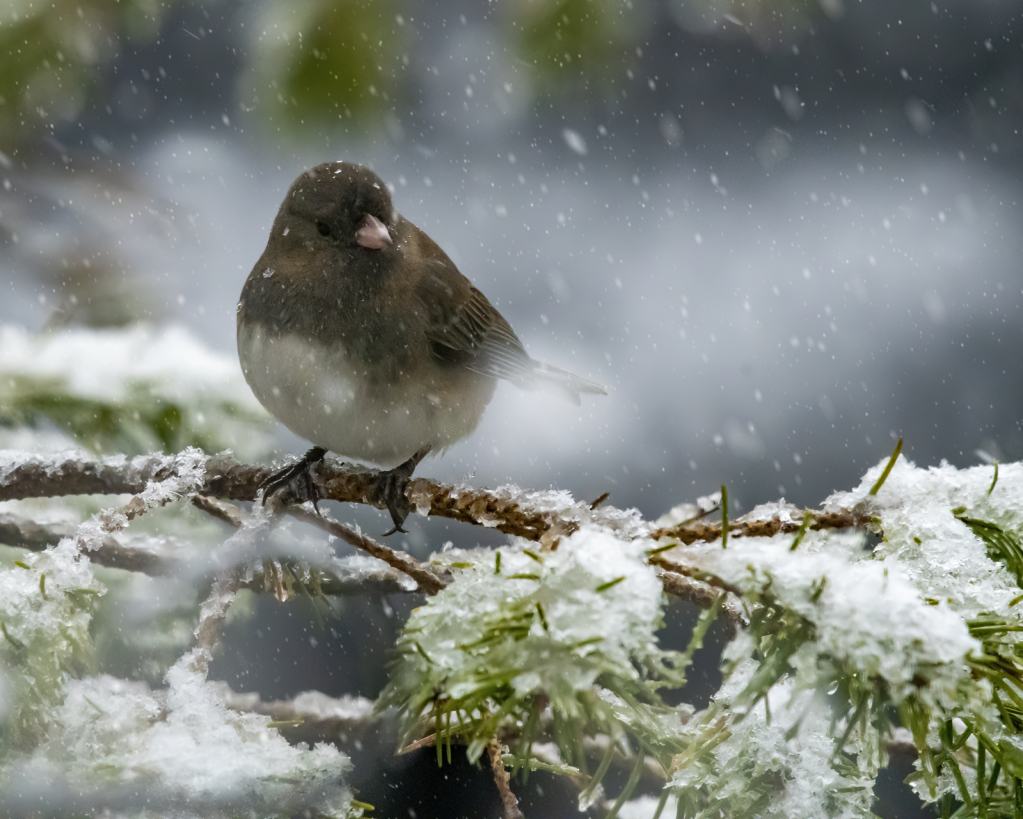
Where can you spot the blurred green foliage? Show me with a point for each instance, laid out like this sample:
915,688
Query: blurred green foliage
52,55
568,41
144,421
321,61
326,60
130,391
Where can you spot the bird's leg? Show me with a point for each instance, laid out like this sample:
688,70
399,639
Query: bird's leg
391,487
296,479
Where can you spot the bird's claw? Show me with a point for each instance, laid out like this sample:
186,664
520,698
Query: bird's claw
390,491
295,482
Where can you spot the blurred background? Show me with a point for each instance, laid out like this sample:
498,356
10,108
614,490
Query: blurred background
783,233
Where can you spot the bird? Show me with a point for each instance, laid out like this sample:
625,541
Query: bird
358,333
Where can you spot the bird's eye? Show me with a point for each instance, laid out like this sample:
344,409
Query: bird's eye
324,228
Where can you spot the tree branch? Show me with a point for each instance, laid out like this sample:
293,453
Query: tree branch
539,516
36,537
508,799
429,582
698,531
312,717
27,534
529,515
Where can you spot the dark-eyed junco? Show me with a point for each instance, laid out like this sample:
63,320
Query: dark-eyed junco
359,334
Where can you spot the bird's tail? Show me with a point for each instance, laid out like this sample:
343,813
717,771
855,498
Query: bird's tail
547,376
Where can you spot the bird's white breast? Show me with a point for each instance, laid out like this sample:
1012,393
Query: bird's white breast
320,394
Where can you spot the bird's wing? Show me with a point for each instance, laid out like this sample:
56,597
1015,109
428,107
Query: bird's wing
479,338
465,328
468,330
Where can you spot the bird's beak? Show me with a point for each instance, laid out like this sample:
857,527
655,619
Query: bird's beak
372,233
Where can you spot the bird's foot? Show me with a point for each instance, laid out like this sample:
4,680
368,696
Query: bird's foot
390,490
295,483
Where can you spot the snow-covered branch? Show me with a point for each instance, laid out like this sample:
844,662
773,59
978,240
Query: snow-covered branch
538,516
553,638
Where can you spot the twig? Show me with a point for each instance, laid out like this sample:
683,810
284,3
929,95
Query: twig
18,531
686,588
221,511
38,477
696,574
212,615
689,533
347,720
113,554
701,592
422,742
462,504
428,580
503,780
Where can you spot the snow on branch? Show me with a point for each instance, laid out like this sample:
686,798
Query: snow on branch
538,516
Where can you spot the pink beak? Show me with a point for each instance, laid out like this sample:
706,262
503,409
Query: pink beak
372,233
